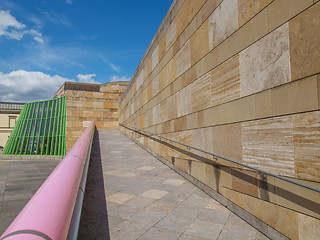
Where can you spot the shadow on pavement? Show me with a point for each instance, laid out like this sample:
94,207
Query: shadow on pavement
94,219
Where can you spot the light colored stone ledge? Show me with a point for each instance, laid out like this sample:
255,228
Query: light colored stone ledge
291,98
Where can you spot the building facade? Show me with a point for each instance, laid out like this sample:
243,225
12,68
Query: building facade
9,113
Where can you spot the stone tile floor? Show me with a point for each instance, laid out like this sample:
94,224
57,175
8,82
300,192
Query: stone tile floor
20,178
132,195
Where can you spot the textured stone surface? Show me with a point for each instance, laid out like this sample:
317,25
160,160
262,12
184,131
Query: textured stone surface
200,93
306,136
200,43
268,145
223,22
308,227
183,59
171,35
155,57
249,8
305,43
184,101
225,82
266,63
227,141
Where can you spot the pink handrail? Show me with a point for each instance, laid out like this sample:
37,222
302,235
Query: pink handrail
49,212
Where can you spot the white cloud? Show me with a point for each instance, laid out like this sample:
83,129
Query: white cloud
69,1
26,86
12,29
87,78
119,79
111,65
9,26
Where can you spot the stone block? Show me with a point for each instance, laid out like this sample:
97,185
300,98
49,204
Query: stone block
281,11
260,25
234,196
185,137
162,47
180,124
198,170
223,22
263,104
249,8
308,227
200,43
98,104
192,121
141,122
155,57
275,216
172,107
171,70
266,63
227,141
189,76
183,59
225,179
171,35
305,43
245,181
182,164
297,198
240,39
268,144
306,136
164,111
149,92
148,68
184,101
208,8
319,91
225,82
200,93
298,96
202,139
186,14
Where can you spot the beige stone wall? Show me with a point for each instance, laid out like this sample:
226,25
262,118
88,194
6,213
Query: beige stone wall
100,103
7,122
241,79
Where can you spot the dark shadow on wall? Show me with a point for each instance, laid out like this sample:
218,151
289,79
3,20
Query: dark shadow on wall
94,219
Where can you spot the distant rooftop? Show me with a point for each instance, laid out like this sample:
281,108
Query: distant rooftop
11,105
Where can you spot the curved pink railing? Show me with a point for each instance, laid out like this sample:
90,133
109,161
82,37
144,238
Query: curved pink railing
49,212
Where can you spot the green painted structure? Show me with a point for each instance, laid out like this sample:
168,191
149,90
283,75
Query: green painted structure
40,129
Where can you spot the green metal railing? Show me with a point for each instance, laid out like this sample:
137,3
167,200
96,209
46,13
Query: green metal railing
40,129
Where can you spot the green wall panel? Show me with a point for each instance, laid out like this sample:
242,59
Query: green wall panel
40,129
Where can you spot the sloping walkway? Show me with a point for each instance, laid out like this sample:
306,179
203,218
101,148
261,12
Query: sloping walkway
132,195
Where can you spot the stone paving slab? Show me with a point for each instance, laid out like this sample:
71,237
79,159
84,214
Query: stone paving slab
20,178
132,195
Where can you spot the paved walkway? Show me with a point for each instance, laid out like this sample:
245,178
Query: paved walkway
132,195
20,178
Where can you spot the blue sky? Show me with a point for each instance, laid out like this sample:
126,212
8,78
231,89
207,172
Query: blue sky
46,42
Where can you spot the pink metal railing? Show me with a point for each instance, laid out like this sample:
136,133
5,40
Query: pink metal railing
49,212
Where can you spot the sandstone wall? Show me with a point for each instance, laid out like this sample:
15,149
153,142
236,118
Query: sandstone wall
87,102
241,79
